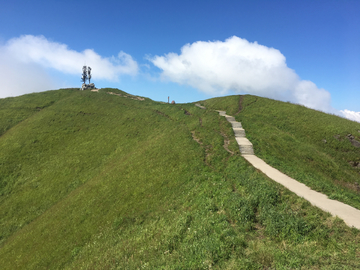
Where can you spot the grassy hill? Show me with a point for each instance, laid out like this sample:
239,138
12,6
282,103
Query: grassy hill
308,145
110,181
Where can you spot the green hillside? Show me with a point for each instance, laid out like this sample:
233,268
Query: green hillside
101,181
308,145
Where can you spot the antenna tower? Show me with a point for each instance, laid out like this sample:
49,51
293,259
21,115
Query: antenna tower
89,74
84,74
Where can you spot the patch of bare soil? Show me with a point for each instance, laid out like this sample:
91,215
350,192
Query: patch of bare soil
355,164
260,231
112,93
241,99
194,138
199,105
240,104
127,96
163,114
226,143
207,149
95,90
186,112
353,186
329,222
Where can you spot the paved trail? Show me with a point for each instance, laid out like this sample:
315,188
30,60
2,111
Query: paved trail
349,214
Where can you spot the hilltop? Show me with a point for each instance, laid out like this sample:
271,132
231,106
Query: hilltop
92,180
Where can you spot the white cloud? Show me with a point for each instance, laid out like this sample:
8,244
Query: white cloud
25,61
355,116
308,94
18,78
236,65
216,68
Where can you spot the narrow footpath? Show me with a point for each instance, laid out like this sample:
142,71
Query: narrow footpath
349,214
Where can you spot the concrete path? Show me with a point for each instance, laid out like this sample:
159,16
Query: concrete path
246,147
201,107
349,214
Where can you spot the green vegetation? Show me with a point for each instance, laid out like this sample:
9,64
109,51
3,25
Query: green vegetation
96,181
308,145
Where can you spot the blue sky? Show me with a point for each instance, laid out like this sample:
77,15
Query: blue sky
306,52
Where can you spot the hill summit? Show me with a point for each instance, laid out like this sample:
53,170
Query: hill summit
108,180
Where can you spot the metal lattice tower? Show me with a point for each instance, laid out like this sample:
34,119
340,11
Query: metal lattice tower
84,74
89,74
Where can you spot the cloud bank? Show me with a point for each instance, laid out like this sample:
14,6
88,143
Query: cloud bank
18,78
213,67
355,116
27,59
239,66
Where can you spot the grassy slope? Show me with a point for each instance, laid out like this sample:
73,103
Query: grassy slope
91,180
291,138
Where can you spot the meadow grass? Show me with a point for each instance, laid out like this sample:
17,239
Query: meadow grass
99,181
308,145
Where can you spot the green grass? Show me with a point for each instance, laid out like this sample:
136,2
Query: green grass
292,139
99,181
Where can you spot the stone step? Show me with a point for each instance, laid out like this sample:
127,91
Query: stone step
230,118
235,124
198,105
222,113
245,146
246,150
239,132
243,141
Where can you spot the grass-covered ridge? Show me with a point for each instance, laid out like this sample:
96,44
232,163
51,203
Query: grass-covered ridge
98,181
308,145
